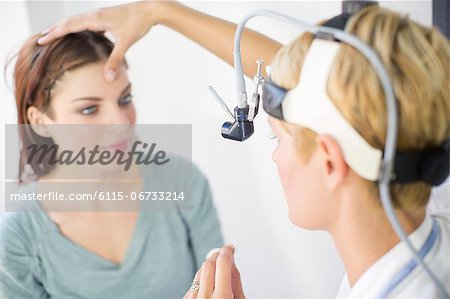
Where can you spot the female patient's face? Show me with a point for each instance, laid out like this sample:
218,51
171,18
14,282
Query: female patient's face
103,112
83,96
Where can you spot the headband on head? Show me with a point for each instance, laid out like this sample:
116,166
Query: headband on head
309,105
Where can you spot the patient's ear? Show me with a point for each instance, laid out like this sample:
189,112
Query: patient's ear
333,164
39,121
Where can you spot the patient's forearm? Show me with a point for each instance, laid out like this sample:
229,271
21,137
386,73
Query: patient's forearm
217,35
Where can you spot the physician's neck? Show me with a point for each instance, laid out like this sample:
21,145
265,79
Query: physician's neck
362,235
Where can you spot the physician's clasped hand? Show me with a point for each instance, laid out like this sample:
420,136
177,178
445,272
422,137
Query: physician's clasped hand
218,278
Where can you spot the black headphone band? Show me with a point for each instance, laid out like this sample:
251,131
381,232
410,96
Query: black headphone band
431,166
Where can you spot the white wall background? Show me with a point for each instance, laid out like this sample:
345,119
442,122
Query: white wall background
170,76
14,27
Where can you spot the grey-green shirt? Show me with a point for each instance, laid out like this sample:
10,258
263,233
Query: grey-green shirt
167,247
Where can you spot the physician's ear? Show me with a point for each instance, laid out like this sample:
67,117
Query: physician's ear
38,121
332,161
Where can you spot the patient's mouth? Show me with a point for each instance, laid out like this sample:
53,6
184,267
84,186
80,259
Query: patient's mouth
121,145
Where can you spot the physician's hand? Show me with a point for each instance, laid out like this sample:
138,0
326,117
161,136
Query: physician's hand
218,278
126,23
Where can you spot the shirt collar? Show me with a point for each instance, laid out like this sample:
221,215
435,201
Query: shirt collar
382,271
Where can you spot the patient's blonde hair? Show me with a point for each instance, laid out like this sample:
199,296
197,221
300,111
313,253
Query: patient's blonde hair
418,61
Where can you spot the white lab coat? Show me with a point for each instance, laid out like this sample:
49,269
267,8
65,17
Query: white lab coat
417,284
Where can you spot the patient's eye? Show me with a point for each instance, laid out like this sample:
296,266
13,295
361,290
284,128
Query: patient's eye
89,110
126,100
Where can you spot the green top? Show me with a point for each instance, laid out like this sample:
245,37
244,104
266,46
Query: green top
166,249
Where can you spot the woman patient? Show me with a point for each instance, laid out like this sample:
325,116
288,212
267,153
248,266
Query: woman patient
95,254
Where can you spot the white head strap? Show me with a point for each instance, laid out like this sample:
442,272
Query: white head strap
309,105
